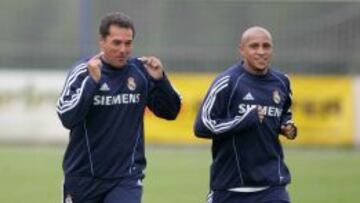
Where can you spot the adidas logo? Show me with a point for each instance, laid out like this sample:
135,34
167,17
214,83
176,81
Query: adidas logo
104,87
248,97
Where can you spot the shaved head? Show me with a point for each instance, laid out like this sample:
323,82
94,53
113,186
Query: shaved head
253,31
256,48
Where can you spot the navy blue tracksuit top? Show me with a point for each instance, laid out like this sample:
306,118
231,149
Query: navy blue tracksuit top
106,118
245,151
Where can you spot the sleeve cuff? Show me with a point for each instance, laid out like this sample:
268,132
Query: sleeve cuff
287,122
162,81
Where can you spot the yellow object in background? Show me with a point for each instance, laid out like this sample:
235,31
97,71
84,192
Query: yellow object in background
192,87
322,108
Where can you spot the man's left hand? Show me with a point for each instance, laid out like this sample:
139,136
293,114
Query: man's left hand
153,66
289,131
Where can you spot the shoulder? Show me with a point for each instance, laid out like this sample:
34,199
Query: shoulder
230,75
79,67
281,76
81,62
137,64
226,80
138,67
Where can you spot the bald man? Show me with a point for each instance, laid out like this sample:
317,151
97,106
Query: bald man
245,110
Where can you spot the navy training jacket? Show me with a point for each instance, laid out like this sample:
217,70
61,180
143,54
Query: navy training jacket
105,119
245,151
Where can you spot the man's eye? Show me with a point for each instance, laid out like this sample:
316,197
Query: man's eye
267,46
254,46
116,42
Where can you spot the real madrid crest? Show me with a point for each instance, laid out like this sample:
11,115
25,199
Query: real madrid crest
276,96
68,199
131,84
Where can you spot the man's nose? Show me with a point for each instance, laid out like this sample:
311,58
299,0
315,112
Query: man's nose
122,48
261,50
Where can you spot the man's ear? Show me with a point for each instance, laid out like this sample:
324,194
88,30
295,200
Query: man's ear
101,41
240,49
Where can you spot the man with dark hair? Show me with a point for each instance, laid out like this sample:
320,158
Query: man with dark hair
245,110
102,104
117,18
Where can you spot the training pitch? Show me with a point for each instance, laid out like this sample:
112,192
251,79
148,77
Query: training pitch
180,174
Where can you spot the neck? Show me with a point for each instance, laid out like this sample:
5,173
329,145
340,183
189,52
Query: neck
255,71
103,57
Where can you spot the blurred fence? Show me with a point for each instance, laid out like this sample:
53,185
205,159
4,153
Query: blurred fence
189,35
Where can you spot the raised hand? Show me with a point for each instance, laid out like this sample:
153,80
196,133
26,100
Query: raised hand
153,66
94,67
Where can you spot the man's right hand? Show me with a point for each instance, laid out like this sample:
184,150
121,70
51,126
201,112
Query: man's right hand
94,67
261,113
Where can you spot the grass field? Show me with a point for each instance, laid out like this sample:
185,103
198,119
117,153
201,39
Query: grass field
180,175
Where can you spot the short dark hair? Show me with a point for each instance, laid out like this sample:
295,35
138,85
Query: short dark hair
115,18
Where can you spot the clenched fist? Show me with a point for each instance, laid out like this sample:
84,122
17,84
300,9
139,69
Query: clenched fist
289,131
94,67
261,113
153,66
